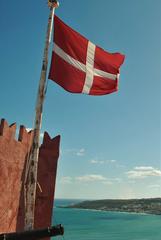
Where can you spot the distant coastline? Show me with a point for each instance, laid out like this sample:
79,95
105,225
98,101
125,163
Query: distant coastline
147,205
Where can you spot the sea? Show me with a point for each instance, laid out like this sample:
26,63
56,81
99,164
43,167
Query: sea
101,225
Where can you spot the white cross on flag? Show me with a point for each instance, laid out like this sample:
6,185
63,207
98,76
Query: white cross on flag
79,66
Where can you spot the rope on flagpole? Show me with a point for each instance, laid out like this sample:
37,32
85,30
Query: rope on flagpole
31,174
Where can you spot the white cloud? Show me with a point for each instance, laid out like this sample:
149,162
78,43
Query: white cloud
93,161
144,168
111,161
80,152
66,180
74,151
107,182
28,129
117,180
110,181
154,186
120,166
91,178
143,172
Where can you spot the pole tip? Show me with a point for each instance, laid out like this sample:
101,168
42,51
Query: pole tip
53,3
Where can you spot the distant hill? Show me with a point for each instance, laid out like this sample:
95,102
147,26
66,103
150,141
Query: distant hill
147,205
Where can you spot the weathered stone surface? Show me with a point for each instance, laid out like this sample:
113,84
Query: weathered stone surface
13,155
48,156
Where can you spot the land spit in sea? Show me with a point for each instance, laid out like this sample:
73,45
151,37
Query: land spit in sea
87,224
147,205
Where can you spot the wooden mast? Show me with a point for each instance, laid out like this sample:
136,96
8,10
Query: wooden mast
31,169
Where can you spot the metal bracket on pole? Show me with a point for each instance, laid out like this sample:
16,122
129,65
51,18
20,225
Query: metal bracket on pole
53,3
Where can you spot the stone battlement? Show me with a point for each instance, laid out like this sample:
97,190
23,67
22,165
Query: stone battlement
9,132
13,156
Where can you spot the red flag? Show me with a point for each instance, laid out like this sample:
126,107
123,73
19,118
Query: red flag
79,66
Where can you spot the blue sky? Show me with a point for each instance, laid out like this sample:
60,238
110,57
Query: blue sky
110,145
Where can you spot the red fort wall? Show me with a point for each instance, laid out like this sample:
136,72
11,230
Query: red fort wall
13,155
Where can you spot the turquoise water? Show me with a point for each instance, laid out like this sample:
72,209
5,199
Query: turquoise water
94,225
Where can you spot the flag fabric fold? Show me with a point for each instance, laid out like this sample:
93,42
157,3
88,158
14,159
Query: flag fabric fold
79,66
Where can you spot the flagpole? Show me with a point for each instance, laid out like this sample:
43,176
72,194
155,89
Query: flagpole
32,165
